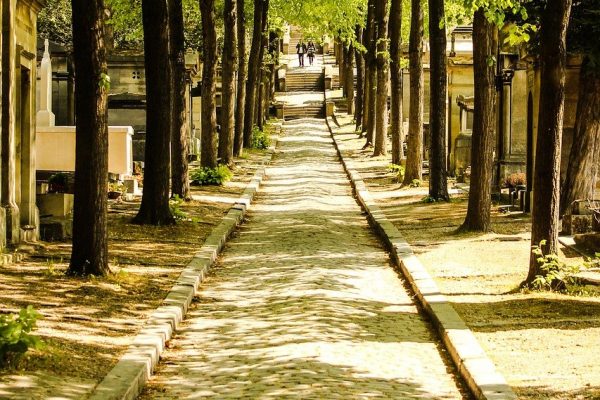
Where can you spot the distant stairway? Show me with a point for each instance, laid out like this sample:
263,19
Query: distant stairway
299,80
312,110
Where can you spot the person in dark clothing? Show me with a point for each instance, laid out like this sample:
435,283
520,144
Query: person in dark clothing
301,50
311,49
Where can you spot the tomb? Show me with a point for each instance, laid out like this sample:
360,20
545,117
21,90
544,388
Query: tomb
19,218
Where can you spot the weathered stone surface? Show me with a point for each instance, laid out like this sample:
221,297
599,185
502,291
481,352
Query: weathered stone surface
19,72
55,204
56,229
303,302
576,224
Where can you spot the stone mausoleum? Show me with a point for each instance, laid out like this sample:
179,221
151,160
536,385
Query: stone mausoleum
18,214
127,96
518,88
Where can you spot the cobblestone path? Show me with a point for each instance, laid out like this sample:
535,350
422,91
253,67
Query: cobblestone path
303,303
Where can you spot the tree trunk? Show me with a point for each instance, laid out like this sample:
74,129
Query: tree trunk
257,95
582,170
229,63
381,12
208,155
372,105
395,32
366,83
349,78
241,80
414,156
260,101
371,86
546,179
109,31
272,77
360,74
260,115
89,255
180,184
438,185
485,44
269,82
253,72
341,52
155,209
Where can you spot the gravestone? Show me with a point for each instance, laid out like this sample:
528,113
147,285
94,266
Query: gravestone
45,116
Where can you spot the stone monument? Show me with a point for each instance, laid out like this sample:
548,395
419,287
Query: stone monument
45,116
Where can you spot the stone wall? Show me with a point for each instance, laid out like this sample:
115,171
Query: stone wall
570,111
519,114
571,97
127,74
460,83
2,210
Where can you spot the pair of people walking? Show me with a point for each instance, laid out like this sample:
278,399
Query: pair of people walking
302,49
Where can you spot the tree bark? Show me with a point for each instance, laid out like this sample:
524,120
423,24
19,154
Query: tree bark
546,179
341,51
383,65
360,74
485,43
89,255
257,95
269,82
253,72
238,144
582,170
395,33
366,82
208,155
180,183
438,184
260,102
414,156
260,115
155,209
229,64
371,86
349,78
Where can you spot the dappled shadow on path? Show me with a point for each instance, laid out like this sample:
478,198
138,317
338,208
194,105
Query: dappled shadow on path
303,302
542,342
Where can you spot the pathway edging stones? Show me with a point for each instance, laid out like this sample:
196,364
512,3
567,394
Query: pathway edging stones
474,366
127,378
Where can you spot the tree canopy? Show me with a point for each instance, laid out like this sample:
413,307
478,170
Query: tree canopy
124,17
318,18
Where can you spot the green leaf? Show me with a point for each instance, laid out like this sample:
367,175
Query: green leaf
104,82
14,333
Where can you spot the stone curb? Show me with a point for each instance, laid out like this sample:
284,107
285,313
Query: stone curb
477,370
127,378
